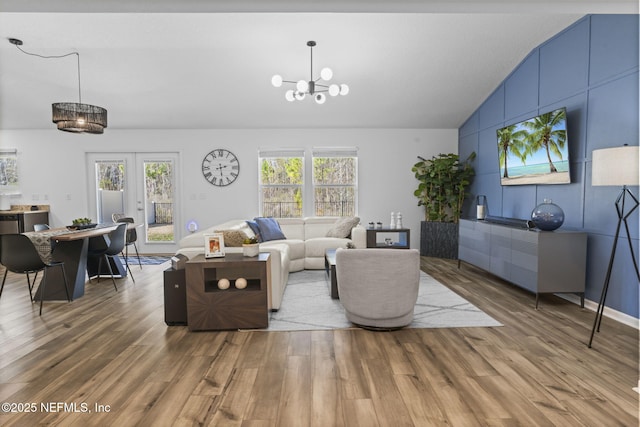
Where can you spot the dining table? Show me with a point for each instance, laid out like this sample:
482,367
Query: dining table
72,247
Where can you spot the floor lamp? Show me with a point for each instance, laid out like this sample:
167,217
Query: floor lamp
616,167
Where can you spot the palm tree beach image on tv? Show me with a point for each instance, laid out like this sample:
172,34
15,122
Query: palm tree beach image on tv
535,151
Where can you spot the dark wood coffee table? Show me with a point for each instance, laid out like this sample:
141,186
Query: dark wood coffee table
330,268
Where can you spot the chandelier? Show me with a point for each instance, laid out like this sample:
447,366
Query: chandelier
314,88
73,117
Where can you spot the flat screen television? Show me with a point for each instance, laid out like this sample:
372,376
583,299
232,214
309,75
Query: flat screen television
535,151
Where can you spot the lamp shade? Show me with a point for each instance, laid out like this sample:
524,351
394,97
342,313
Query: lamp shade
79,118
615,166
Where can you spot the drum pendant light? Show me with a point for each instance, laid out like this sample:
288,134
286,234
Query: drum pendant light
74,117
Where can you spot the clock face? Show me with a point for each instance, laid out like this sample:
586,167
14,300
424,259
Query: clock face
220,167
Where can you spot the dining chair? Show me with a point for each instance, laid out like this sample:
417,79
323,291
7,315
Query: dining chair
132,238
116,241
23,258
116,216
40,227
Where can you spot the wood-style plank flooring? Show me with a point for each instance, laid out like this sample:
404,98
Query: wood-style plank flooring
109,359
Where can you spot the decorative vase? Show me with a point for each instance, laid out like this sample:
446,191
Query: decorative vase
481,207
251,249
547,216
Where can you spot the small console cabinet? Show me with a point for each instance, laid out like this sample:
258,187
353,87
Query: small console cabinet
211,308
538,261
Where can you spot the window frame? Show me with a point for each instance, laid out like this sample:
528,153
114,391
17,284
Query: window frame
281,154
334,152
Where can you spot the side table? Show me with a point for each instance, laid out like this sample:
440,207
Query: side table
399,237
212,308
330,269
175,297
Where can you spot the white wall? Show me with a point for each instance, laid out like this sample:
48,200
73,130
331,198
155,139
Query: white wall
53,171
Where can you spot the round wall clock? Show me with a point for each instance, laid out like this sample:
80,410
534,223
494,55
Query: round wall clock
220,167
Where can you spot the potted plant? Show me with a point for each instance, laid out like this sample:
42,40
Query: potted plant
250,247
443,181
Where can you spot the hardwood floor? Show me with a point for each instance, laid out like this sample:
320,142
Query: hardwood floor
111,355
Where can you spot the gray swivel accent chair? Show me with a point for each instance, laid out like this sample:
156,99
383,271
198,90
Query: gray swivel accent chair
378,287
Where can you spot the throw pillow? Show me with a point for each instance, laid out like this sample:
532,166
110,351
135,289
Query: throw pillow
342,227
255,228
233,238
269,229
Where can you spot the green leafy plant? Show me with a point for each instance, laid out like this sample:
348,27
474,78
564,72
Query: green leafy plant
250,241
443,181
81,221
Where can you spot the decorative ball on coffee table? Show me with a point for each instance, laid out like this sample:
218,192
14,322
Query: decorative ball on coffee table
241,283
223,284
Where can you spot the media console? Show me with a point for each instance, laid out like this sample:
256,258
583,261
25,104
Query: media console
538,261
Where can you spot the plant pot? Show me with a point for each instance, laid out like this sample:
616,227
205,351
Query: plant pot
251,250
439,239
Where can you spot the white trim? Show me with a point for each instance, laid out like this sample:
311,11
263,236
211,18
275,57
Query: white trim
280,152
607,312
334,152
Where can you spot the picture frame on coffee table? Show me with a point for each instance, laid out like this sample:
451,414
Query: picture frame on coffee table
213,245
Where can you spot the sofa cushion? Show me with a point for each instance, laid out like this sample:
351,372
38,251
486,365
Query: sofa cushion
255,228
342,227
293,228
197,239
317,226
316,248
269,229
296,247
295,252
233,238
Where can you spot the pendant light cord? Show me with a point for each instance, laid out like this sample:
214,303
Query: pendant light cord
58,57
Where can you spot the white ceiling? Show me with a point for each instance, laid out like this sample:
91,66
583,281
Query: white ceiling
202,65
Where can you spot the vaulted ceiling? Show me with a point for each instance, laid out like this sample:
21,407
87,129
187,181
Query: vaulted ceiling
199,64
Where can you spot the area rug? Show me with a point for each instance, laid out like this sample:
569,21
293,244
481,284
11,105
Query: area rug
146,259
307,305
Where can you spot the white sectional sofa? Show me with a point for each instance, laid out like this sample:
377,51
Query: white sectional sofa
304,247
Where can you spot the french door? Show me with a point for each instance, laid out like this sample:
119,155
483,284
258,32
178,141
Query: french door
141,186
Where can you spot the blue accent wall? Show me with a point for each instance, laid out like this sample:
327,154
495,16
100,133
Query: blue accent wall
591,69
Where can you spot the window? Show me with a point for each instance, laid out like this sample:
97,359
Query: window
281,183
335,181
110,186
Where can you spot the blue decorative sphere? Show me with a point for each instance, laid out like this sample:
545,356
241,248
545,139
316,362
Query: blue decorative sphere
547,216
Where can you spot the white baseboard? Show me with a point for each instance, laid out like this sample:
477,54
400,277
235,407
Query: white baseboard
608,312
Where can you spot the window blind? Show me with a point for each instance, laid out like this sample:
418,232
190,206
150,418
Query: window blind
335,151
